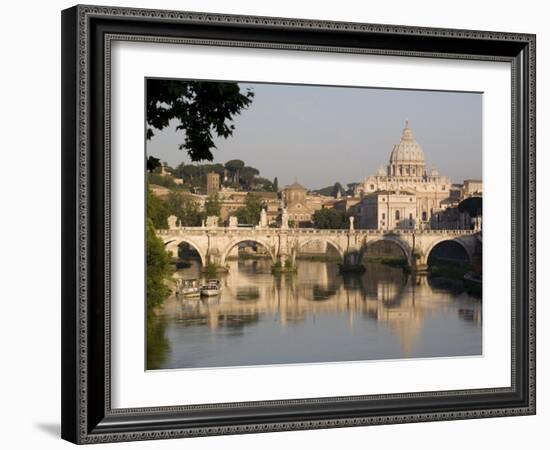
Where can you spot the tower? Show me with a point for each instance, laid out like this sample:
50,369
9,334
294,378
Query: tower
212,183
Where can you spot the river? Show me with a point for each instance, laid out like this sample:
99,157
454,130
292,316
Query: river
314,315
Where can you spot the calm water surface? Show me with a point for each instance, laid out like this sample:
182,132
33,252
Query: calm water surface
315,315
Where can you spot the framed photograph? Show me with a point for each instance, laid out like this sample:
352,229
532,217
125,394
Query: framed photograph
280,224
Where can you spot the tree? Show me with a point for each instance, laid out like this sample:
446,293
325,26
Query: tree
246,177
275,185
233,167
330,219
200,109
337,189
185,208
152,163
261,184
472,206
212,206
158,268
250,213
351,188
157,211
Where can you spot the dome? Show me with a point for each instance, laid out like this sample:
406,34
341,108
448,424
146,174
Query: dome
381,172
408,150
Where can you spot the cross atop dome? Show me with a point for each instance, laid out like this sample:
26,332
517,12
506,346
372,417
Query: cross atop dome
407,132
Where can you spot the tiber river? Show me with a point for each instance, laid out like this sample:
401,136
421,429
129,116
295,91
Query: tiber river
314,315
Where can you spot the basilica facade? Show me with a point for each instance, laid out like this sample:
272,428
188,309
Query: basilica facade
405,194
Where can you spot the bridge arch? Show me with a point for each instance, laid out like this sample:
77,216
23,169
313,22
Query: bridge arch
455,240
173,244
301,244
403,246
265,244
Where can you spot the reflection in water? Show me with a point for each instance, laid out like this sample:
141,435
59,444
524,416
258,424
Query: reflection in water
315,315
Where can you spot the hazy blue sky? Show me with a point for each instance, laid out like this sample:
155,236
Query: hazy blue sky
319,135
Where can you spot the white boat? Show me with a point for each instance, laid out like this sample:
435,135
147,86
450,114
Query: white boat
211,288
188,288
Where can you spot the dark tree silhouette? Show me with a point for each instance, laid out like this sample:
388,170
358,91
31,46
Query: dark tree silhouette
201,109
472,205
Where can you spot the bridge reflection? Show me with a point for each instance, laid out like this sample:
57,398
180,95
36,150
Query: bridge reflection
383,295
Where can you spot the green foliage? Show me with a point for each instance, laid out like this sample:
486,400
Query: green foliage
472,205
200,108
212,206
275,184
234,165
330,219
210,270
262,184
185,208
250,213
337,189
157,344
158,268
194,175
157,211
332,191
152,163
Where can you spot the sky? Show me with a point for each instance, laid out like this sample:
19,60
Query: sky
318,135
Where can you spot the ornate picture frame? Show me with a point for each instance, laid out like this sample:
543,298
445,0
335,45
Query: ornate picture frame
87,35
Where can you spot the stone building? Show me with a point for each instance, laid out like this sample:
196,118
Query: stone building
407,173
388,210
296,203
212,183
231,200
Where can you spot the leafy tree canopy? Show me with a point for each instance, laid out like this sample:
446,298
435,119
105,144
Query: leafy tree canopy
250,213
212,206
330,219
201,109
472,205
157,211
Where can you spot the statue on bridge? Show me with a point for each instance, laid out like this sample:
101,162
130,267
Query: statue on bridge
263,219
284,219
172,222
351,221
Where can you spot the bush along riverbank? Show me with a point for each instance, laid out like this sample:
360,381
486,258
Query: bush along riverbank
454,273
392,261
287,267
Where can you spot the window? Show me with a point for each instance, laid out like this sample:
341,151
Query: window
410,216
372,186
424,215
397,215
383,216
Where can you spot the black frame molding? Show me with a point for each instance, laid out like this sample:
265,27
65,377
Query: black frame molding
87,33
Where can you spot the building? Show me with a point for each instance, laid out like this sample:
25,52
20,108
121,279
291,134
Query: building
388,210
406,174
231,200
296,204
472,188
212,183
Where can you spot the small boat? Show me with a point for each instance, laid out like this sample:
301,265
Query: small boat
211,288
188,288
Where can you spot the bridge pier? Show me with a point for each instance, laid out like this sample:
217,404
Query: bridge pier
352,262
419,263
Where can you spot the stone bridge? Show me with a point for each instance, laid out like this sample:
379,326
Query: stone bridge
214,244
